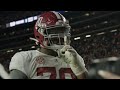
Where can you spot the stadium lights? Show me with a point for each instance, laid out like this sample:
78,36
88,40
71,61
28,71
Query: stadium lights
7,25
12,24
22,21
26,20
105,22
19,22
35,17
10,51
101,33
77,38
87,14
28,29
33,47
88,36
30,19
113,30
20,49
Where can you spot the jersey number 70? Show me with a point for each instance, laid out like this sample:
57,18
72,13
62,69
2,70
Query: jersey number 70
52,70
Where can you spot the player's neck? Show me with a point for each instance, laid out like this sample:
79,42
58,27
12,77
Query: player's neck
48,51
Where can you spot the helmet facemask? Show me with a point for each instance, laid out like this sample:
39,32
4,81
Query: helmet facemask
54,37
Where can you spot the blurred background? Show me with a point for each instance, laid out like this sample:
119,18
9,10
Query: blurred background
95,36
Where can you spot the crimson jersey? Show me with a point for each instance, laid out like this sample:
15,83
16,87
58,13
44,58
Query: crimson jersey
37,65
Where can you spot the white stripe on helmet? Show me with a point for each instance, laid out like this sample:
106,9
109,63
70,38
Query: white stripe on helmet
58,16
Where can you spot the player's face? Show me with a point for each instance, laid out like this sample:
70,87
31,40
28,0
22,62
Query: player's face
58,41
56,35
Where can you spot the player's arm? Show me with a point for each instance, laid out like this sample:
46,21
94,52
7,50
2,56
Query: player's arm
75,61
16,74
17,66
3,73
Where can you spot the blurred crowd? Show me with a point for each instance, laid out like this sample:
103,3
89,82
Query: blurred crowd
98,46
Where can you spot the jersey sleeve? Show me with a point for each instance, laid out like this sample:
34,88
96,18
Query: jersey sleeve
82,63
81,60
18,63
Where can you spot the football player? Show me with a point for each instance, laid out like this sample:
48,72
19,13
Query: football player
55,59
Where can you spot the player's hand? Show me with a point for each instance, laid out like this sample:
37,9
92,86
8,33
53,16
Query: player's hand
70,56
67,52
